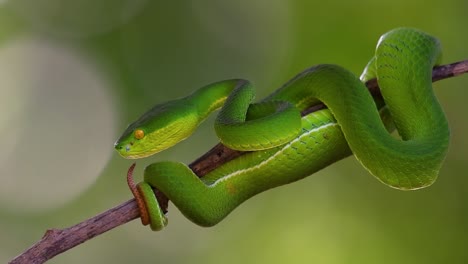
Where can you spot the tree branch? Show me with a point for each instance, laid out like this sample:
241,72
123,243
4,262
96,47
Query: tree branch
56,241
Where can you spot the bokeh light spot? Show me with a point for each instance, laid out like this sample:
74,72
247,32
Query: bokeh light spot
52,104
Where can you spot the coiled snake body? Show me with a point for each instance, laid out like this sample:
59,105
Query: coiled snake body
285,147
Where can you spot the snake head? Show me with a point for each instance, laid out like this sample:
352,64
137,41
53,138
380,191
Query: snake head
160,128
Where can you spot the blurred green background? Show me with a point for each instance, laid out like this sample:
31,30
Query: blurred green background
75,73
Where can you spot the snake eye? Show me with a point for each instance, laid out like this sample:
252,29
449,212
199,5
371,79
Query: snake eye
139,134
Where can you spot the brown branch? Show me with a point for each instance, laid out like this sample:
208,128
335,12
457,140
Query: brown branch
220,154
56,241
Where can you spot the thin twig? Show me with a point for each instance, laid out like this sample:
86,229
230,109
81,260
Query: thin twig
56,241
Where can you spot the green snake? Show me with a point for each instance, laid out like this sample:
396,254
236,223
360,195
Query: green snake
284,147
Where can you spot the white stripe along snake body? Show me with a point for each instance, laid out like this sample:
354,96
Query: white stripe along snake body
285,147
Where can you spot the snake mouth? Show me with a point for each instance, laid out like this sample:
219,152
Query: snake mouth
125,150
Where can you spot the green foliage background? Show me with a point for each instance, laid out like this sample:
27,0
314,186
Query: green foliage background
153,51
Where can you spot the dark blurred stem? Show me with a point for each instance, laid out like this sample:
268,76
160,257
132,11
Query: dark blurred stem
56,241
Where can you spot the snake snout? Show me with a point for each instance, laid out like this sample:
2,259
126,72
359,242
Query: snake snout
122,147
